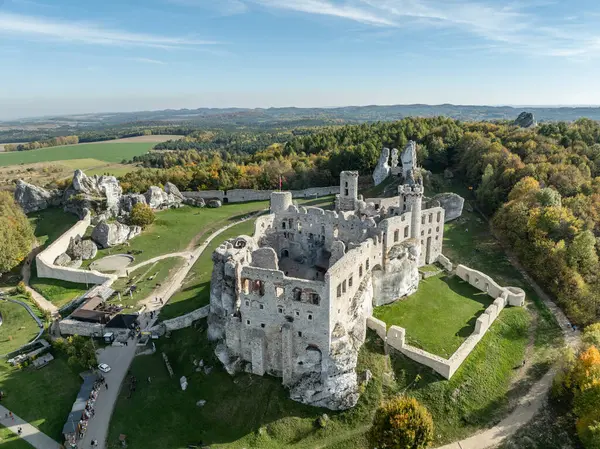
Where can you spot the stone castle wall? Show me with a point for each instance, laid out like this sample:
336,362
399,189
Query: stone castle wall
503,296
243,195
45,260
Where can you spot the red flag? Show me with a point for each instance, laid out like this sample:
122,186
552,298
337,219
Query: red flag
279,182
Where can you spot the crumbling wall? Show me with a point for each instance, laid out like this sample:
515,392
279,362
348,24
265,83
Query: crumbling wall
245,195
432,235
445,263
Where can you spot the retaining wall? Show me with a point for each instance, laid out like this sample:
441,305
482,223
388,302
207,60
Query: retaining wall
45,260
244,195
503,296
186,320
69,326
445,262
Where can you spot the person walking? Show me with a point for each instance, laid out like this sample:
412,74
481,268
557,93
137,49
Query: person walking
106,385
11,415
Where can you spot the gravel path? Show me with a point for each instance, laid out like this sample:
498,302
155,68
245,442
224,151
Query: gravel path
29,433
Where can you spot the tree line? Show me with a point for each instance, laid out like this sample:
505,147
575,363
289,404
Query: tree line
36,145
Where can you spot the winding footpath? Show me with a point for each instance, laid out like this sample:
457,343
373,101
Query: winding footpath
29,433
120,358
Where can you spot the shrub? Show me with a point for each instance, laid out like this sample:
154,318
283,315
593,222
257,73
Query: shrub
591,335
21,289
401,423
141,215
16,234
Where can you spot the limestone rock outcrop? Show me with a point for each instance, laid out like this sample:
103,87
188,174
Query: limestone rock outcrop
130,200
172,189
525,120
97,193
81,249
196,202
63,260
382,169
112,234
452,205
33,198
401,275
214,203
157,198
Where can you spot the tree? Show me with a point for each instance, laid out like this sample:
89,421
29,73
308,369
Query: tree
591,335
80,351
141,215
16,235
401,423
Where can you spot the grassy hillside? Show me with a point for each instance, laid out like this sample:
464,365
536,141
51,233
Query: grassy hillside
108,152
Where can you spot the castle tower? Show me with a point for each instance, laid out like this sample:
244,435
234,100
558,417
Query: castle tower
348,196
280,202
412,196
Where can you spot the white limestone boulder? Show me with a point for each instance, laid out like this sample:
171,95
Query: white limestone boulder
112,234
382,169
32,198
452,205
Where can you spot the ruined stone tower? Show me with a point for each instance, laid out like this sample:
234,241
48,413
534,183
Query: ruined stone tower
280,202
348,197
411,197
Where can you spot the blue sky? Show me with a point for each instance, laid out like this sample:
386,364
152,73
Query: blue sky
75,56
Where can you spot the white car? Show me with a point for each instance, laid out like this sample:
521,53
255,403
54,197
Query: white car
104,367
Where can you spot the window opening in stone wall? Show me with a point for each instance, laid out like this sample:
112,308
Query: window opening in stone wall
248,322
344,286
430,218
285,253
339,290
396,235
299,334
350,281
297,294
346,192
261,307
360,271
406,232
247,303
246,285
314,298
423,219
437,229
262,325
280,309
367,264
310,316
258,287
279,291
439,216
297,313
283,225
346,184
290,223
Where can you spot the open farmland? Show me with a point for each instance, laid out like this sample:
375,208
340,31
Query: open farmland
107,152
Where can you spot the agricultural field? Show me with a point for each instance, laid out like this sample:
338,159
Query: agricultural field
102,151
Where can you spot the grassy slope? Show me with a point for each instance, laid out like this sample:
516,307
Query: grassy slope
448,305
9,440
18,327
42,397
237,407
109,152
173,229
56,291
50,224
195,292
161,271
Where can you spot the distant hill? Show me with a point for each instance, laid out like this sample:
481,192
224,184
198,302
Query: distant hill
236,118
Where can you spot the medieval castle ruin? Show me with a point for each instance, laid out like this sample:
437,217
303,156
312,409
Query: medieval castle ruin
293,300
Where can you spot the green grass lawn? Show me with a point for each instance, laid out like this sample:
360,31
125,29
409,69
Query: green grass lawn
18,327
439,316
49,224
56,291
160,271
42,397
241,412
195,292
108,152
9,440
174,229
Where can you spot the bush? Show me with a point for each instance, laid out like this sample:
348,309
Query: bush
21,289
591,335
16,234
141,215
401,423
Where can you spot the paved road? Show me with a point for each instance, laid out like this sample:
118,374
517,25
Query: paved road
119,359
29,433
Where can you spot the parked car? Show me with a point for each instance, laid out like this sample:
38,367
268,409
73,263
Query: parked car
104,367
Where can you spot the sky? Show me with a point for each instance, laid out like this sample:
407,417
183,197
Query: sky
77,56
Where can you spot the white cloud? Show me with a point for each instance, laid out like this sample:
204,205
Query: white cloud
87,33
515,26
148,61
225,7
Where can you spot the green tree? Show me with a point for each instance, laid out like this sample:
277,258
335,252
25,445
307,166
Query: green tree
141,215
80,351
401,423
16,235
591,335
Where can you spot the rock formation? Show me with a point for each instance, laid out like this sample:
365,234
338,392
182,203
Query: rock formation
452,205
408,158
63,260
525,120
394,157
81,249
111,234
382,169
401,275
130,200
196,202
97,193
33,198
213,203
157,198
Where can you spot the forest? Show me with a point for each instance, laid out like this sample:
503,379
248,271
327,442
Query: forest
541,185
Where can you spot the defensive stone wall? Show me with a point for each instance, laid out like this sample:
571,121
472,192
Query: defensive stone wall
186,320
45,259
445,263
244,195
74,327
503,296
